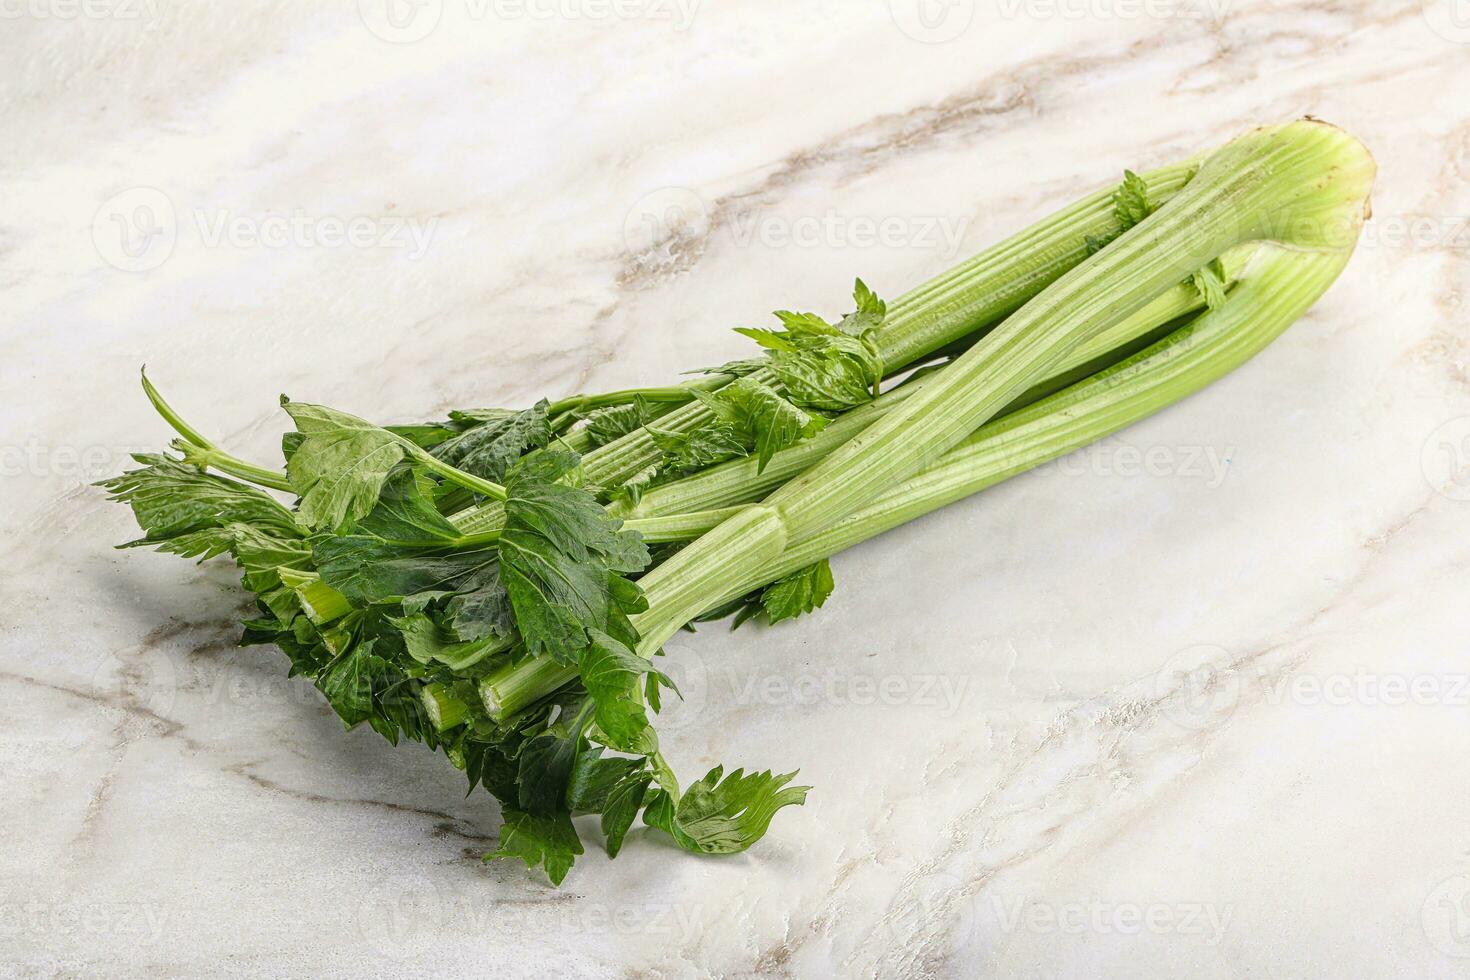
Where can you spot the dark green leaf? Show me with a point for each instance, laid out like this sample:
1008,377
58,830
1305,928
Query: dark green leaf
545,771
188,512
367,569
405,515
612,675
561,555
350,683
594,777
551,842
489,449
621,808
800,592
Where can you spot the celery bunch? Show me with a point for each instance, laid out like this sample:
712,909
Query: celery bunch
500,584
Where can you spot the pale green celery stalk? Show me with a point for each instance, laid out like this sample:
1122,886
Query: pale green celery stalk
1303,184
201,452
1279,285
742,481
321,603
670,394
1291,180
445,711
967,298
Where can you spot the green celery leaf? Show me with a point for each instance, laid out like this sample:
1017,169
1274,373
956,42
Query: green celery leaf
404,513
687,452
545,772
551,842
1210,281
427,642
350,683
761,417
595,776
489,449
800,592
560,559
365,568
624,800
1131,203
608,424
340,466
481,609
869,314
188,512
716,816
611,674
834,373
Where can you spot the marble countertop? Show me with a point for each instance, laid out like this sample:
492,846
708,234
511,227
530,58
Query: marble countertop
1193,702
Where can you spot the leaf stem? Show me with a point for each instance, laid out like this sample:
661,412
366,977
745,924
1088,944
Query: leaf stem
202,452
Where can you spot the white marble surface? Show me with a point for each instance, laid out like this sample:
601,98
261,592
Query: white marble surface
1032,791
